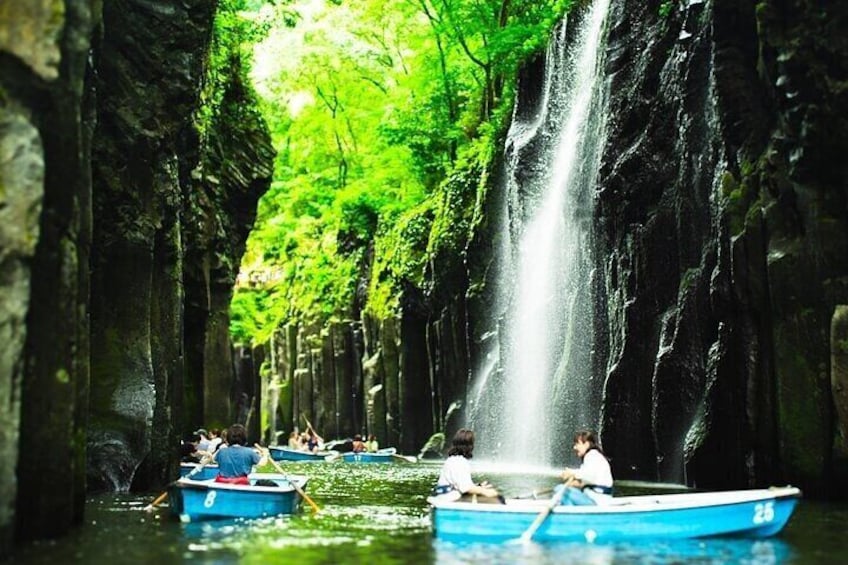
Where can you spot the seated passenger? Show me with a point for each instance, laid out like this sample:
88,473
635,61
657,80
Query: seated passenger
236,461
294,440
215,440
592,482
371,445
358,444
314,442
455,481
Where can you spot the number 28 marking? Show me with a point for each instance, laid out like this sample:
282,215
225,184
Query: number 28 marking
763,512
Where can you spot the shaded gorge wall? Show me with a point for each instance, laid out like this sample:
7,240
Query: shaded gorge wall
121,227
721,217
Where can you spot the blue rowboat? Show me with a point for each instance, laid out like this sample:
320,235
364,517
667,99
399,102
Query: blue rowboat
207,472
280,453
386,455
193,500
749,513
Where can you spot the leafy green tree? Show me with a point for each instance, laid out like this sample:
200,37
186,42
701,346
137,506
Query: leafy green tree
384,114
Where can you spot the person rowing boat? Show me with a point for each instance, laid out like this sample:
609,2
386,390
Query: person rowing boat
455,481
236,461
591,483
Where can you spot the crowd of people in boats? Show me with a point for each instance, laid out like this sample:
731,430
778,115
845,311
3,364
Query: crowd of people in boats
590,483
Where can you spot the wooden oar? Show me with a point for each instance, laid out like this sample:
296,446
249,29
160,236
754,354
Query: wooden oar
536,493
546,511
158,499
203,462
297,488
407,458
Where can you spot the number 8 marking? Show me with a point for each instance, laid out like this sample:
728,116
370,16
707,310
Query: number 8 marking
763,512
210,499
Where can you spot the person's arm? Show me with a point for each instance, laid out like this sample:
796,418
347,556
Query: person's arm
483,489
459,475
572,476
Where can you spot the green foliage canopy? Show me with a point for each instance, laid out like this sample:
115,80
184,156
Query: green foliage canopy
384,114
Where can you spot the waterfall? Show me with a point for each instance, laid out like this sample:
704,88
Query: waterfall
527,404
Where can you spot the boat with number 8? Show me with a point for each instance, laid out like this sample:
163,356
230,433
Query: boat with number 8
268,494
747,513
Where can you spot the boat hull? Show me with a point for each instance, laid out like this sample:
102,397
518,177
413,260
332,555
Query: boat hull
193,500
751,513
382,456
288,454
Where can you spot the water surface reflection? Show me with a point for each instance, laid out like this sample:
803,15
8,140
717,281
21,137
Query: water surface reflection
377,514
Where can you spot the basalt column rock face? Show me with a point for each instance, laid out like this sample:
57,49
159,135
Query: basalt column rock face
46,117
237,161
723,234
150,68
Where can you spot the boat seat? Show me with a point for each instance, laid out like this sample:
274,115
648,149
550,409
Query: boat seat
265,483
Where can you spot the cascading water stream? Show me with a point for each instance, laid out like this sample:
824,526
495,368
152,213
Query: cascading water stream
526,408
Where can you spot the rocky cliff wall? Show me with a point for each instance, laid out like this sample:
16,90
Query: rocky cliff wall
121,232
47,114
721,214
149,72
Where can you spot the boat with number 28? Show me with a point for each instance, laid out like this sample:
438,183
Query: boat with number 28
749,513
268,494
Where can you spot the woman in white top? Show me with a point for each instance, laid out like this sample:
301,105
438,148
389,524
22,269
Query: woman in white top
592,482
455,478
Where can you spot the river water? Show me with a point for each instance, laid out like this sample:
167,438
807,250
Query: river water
377,513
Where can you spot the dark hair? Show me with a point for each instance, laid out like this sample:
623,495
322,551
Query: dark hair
462,444
589,437
357,437
236,435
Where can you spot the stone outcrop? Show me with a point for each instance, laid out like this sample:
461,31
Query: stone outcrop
121,232
721,217
236,167
46,111
149,73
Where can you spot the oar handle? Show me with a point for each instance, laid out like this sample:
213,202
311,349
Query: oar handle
203,463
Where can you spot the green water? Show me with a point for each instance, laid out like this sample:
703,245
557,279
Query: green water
377,513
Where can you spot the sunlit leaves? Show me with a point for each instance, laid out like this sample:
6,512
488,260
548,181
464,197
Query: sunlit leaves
372,105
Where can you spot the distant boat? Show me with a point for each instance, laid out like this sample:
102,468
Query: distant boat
385,455
207,472
193,500
749,513
280,453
